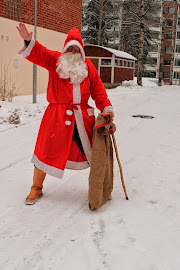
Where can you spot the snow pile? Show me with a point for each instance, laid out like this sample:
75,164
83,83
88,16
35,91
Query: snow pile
149,82
129,84
146,82
23,107
14,118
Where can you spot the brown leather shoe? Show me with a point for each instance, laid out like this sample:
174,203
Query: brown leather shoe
33,196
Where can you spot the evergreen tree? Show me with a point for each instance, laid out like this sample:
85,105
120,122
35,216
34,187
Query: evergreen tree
138,18
99,19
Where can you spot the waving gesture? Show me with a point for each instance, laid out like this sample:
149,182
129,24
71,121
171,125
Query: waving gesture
24,32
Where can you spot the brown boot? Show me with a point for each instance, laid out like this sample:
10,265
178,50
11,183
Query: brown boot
36,189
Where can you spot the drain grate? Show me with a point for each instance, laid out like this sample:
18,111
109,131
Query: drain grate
143,116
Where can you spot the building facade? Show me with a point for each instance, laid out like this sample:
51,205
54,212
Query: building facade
172,12
56,15
54,20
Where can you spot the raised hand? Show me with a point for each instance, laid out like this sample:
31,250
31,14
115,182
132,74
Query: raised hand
24,32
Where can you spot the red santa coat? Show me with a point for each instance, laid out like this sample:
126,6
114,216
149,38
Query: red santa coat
55,150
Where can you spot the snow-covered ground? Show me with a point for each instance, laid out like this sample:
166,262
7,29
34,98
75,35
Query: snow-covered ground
60,232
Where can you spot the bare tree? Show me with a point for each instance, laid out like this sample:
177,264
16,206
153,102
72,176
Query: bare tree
139,16
141,45
8,85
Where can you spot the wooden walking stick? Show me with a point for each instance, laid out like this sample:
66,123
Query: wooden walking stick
120,167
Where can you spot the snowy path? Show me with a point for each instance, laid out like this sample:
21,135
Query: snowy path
60,232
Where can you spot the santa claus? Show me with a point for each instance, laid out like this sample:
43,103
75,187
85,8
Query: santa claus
65,135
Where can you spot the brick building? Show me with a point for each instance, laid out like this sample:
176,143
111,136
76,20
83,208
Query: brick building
113,66
153,70
54,20
57,15
169,11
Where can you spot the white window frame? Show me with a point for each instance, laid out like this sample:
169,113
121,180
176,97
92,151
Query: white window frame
123,60
112,66
106,58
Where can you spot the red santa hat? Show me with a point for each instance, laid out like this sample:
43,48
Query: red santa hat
74,38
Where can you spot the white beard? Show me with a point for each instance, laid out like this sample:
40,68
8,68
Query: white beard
72,66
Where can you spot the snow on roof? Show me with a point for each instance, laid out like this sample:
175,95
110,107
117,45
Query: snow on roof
115,52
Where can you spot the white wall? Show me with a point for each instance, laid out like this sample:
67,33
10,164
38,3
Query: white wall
11,43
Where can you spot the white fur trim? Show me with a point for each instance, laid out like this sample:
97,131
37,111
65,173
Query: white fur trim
108,108
76,94
77,165
68,123
74,42
47,168
26,51
80,124
68,112
90,111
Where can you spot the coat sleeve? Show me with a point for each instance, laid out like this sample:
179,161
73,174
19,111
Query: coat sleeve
98,92
38,54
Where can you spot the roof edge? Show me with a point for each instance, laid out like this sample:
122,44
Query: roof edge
115,52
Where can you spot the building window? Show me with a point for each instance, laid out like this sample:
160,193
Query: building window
177,62
129,64
178,35
168,36
125,63
176,75
150,74
106,62
170,10
118,63
132,64
167,62
168,50
13,9
155,34
178,21
169,23
151,61
177,48
166,75
153,48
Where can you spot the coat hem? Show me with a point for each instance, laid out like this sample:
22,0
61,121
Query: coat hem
47,168
77,165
